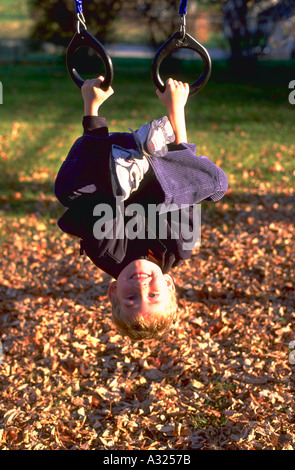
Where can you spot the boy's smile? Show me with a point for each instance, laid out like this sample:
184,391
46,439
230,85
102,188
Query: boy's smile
140,276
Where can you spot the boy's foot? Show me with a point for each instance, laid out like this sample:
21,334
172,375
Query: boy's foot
127,170
152,138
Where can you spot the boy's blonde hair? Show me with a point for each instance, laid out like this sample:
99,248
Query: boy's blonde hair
138,328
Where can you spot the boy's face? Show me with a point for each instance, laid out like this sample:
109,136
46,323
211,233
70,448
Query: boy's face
141,288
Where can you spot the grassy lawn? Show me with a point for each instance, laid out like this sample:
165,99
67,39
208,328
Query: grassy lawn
247,129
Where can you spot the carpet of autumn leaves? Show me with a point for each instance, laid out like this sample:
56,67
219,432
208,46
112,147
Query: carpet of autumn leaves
223,377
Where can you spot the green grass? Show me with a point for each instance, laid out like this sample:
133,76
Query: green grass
245,127
212,414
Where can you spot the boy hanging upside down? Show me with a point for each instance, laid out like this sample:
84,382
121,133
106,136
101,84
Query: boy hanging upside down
152,172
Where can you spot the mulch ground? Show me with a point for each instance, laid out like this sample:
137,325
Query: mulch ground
223,378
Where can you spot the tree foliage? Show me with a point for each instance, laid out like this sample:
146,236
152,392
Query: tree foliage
55,20
248,25
161,17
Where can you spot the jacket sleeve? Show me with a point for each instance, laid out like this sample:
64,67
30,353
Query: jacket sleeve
95,126
188,179
223,186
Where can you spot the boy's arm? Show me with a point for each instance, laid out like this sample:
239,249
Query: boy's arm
174,98
94,96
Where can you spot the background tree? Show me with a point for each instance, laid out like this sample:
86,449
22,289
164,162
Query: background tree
55,20
160,17
248,25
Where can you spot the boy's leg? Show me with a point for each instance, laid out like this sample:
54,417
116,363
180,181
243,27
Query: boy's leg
83,172
152,138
